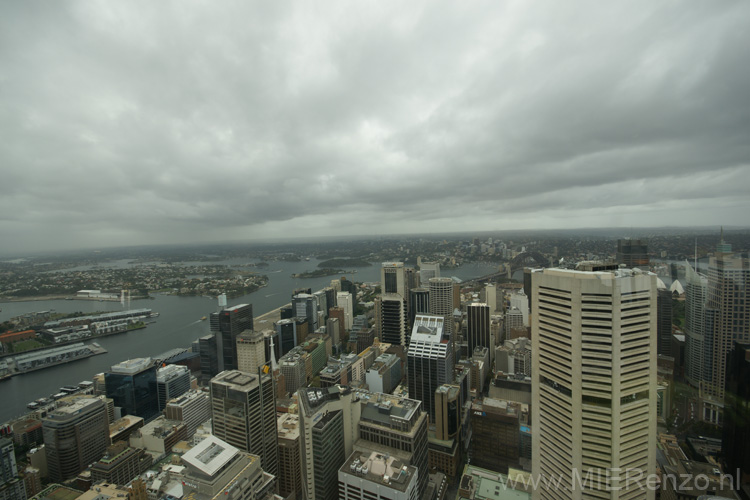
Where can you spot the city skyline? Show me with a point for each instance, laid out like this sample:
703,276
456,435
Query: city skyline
130,124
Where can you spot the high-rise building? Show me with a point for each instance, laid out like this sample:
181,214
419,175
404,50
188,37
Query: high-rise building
429,360
419,303
290,456
696,362
734,448
428,270
593,381
306,306
226,325
192,409
496,434
632,253
376,476
11,487
441,302
727,321
392,320
243,413
132,386
171,381
328,427
216,469
490,297
664,322
478,326
75,436
251,349
345,301
209,358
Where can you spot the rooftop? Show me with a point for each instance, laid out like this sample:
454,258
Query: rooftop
381,469
131,366
210,455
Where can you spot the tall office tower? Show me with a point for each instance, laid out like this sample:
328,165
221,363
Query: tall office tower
393,278
290,456
209,358
478,326
227,324
216,469
395,426
338,313
593,381
132,386
696,362
294,369
344,301
513,320
392,316
171,381
490,296
419,303
727,321
429,360
496,434
74,437
736,435
322,298
251,348
306,306
428,270
632,253
441,302
11,487
333,328
664,322
376,476
329,418
243,413
411,279
192,408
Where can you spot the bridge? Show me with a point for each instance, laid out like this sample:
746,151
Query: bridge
525,259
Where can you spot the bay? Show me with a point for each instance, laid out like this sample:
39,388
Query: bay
178,325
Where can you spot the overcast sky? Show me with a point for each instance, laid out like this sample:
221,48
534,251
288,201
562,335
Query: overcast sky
161,122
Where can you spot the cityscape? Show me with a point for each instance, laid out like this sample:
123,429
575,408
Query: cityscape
374,250
557,365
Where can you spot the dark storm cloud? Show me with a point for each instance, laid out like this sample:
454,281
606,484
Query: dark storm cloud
136,122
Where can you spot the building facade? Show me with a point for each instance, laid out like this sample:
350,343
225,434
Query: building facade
243,413
593,380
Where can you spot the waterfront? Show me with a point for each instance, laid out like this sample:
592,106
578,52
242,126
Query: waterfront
177,326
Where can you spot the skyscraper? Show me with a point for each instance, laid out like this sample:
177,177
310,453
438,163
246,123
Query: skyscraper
632,253
75,436
11,487
664,322
243,412
593,381
735,451
419,303
226,325
345,301
429,360
696,286
251,348
441,302
478,326
727,322
171,381
132,386
392,306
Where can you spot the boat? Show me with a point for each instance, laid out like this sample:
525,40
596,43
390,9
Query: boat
154,315
204,318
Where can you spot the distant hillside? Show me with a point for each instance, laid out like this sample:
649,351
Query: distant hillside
343,263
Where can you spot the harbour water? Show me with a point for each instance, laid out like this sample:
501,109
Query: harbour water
178,325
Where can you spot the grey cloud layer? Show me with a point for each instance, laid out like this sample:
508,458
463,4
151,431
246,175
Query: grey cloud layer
135,122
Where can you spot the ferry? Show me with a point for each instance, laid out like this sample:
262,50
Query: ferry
204,318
